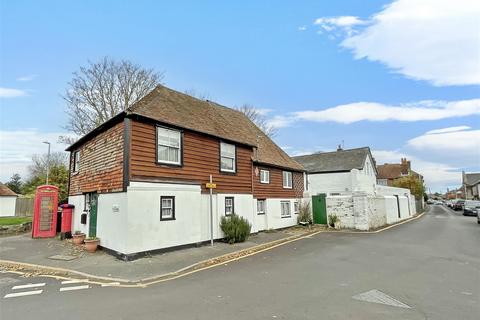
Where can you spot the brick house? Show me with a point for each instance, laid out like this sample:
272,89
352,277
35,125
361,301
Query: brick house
138,181
389,172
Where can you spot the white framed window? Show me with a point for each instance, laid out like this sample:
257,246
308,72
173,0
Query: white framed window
229,206
167,208
285,207
169,146
76,161
287,180
261,203
227,157
264,176
296,207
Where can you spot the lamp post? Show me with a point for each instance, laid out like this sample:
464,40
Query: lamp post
48,159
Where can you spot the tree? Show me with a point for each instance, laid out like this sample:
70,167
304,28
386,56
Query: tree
103,89
15,183
259,119
58,174
411,182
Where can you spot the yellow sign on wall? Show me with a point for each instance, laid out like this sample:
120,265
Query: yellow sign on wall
210,185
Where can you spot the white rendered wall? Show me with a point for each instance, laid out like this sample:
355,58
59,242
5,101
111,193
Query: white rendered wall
146,232
7,206
112,212
274,218
329,182
79,203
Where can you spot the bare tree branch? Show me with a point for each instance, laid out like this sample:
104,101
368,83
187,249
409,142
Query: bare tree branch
100,90
259,119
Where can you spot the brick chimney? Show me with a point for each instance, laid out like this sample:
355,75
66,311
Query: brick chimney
405,164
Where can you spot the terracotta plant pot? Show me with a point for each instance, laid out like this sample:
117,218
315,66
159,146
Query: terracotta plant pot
91,245
78,238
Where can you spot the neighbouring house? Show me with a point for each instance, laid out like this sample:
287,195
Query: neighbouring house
471,185
138,181
342,183
389,172
8,200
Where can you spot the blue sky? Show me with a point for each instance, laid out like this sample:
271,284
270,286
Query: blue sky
370,73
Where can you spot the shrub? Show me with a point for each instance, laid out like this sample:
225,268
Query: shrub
235,228
304,213
332,220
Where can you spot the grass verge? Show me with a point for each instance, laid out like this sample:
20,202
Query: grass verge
8,221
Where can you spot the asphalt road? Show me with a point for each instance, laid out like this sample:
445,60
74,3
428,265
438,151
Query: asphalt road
425,269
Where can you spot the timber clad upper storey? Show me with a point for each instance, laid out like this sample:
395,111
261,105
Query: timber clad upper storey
174,138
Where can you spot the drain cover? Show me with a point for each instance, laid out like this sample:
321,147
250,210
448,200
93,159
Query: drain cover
62,257
376,296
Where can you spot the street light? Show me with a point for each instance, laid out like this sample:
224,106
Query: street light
48,158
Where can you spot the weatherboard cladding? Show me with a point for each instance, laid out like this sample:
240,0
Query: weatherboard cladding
335,161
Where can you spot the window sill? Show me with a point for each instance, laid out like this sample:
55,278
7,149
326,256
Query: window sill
289,188
166,219
167,164
286,216
263,182
260,213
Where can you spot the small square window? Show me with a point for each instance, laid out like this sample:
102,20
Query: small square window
261,206
167,208
285,207
287,180
264,176
229,206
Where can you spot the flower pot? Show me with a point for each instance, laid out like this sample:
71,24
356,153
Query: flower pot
78,238
91,245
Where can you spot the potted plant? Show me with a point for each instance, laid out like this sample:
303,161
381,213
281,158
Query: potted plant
91,244
78,237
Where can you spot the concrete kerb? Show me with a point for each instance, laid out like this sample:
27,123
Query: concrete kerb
68,274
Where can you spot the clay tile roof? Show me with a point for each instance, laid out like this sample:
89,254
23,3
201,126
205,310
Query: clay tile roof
172,107
389,171
5,191
335,161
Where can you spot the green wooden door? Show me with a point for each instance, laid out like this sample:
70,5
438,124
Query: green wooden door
92,226
319,208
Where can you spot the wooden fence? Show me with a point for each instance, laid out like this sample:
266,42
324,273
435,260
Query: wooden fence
24,207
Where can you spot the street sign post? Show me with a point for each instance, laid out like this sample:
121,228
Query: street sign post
211,186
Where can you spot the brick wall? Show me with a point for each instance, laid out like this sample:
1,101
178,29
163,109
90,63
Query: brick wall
101,164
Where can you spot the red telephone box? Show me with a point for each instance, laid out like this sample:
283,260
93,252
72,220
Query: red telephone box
45,212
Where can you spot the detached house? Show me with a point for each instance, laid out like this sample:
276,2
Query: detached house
389,172
343,183
138,181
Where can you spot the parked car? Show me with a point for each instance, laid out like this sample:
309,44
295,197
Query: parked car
458,204
478,215
470,207
429,201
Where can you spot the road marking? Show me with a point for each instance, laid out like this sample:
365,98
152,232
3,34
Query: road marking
111,284
376,296
71,281
21,294
30,285
74,288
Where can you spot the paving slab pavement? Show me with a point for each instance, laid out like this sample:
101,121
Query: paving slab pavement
46,252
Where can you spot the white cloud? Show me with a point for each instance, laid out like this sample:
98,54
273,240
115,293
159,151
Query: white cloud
11,93
338,26
371,111
280,121
438,176
26,78
18,146
432,40
302,28
461,143
449,129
